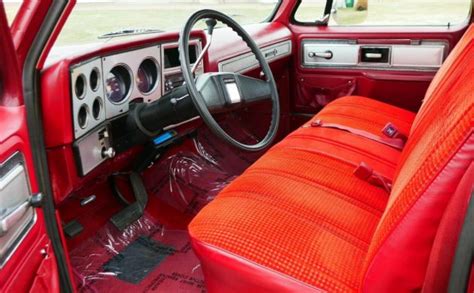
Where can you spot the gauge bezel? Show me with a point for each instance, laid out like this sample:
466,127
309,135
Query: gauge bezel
98,100
157,80
96,71
83,78
129,87
87,116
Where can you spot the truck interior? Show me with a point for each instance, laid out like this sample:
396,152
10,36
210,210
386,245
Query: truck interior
325,147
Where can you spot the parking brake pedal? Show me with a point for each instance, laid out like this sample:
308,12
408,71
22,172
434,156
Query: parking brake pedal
134,211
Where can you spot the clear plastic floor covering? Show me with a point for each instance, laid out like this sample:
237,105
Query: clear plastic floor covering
148,257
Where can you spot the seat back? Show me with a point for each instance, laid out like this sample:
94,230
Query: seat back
438,152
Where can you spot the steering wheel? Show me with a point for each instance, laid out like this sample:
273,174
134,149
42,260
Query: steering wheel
225,91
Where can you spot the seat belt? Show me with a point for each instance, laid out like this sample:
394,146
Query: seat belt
366,173
392,137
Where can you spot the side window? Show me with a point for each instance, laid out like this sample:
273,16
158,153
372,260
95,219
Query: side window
387,12
310,11
11,9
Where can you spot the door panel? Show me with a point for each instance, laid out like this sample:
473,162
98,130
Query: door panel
25,249
401,79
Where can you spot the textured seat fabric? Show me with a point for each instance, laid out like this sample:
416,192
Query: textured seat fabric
281,216
299,220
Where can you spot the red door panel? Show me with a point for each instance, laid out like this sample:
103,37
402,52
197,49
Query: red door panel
314,87
26,258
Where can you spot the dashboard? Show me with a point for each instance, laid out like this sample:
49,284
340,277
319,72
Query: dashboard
85,92
105,86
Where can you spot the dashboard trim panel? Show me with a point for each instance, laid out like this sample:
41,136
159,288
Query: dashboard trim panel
247,62
132,60
87,99
346,54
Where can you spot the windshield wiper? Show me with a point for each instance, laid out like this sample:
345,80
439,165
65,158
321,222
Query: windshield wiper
129,32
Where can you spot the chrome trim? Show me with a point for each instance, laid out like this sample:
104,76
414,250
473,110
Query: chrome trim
246,62
131,59
201,55
89,96
158,77
171,126
418,56
6,168
89,149
131,85
429,56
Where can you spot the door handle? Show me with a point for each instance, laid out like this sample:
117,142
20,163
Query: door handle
10,216
373,55
326,54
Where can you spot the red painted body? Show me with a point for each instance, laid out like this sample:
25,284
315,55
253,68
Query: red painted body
27,268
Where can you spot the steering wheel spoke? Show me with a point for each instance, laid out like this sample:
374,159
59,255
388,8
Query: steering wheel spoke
253,89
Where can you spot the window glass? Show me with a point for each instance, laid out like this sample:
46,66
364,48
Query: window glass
310,10
91,19
388,12
11,9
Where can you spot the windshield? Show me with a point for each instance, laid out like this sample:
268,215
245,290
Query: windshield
93,19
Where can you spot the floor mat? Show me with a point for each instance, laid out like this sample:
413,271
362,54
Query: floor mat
145,257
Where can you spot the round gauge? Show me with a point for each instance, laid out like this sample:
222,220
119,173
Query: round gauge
80,86
117,84
94,79
147,76
83,116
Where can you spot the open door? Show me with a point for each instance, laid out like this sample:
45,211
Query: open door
27,261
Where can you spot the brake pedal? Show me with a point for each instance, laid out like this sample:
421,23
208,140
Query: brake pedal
134,211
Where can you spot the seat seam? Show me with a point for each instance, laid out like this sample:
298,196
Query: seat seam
307,161
384,112
344,146
360,119
376,212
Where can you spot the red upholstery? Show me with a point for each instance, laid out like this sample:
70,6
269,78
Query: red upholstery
298,219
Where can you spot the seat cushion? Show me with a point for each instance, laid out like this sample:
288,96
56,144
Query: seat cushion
359,113
288,213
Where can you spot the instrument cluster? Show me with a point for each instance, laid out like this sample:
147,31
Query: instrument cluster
103,88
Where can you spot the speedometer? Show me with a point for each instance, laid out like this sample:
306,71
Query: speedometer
147,76
117,84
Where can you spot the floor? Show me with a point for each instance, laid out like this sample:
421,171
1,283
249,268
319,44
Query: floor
154,254
145,257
